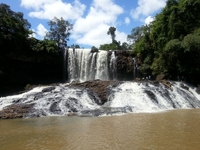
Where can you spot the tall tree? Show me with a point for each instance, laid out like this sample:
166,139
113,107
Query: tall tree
60,31
111,32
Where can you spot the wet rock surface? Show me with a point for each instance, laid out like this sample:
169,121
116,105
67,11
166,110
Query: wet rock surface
16,111
100,88
97,90
60,101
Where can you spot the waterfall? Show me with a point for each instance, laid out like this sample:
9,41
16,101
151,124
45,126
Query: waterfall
102,66
113,66
126,97
135,65
64,64
84,65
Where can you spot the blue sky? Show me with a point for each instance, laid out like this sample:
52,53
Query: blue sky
91,18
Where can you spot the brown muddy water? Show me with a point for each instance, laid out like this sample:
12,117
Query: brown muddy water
171,130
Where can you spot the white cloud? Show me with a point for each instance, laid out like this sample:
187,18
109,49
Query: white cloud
95,36
35,4
121,36
33,34
148,20
88,30
127,20
41,31
48,9
147,7
92,29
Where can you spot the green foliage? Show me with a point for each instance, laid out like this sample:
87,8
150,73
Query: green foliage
14,29
125,46
136,34
191,43
171,43
43,45
94,49
27,87
191,52
74,46
110,46
142,47
59,32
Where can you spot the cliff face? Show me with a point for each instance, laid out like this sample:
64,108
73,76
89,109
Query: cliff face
33,68
124,65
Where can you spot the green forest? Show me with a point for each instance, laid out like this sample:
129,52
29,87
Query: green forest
170,45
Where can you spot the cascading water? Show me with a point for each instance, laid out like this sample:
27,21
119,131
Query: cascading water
84,65
135,67
113,66
126,97
121,97
64,64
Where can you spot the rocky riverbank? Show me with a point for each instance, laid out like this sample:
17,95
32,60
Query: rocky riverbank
100,88
98,91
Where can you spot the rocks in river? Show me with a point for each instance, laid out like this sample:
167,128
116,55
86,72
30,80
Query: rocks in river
48,89
152,96
99,87
198,89
184,87
96,98
16,111
73,105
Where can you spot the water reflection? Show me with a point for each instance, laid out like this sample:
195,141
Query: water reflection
168,130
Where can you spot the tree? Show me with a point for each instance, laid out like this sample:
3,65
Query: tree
110,46
43,45
74,46
59,31
125,46
136,34
111,32
14,29
77,46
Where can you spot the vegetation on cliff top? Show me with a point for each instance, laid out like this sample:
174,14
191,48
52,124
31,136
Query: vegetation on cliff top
171,43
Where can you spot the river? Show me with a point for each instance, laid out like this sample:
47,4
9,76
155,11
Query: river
177,129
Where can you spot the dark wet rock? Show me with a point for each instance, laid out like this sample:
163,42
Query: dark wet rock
184,87
93,50
97,86
54,108
165,93
124,65
48,89
16,111
18,100
94,96
151,96
38,95
72,104
155,83
198,90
